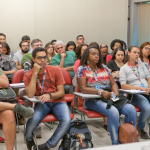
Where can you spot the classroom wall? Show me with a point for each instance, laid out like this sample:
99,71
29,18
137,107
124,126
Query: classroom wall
98,20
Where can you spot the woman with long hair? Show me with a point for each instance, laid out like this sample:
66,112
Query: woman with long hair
95,78
6,49
144,54
71,46
50,52
134,75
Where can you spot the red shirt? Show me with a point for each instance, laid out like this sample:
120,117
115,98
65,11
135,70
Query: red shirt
53,78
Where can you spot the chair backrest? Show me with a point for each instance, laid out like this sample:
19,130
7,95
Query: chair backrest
66,76
18,76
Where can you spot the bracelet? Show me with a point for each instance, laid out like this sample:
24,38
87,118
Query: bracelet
100,92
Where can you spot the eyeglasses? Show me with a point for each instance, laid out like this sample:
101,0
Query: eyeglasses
81,38
147,48
25,45
4,50
40,57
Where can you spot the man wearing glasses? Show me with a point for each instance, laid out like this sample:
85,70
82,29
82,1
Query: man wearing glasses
7,65
46,82
24,46
80,40
104,52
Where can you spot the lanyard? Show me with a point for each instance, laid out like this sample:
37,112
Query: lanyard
43,81
147,66
138,73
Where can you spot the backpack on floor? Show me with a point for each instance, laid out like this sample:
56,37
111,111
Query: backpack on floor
78,137
7,95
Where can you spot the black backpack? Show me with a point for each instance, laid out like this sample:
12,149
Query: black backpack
7,95
78,137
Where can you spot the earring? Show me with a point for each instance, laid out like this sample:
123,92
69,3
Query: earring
87,62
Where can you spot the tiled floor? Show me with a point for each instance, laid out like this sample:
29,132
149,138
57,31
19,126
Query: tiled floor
99,135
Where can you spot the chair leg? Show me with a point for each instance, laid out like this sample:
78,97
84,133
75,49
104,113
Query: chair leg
16,142
17,122
24,131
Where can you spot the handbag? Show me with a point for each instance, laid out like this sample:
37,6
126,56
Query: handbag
127,133
7,95
118,104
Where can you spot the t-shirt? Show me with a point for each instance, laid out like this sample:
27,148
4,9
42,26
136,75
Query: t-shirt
68,61
102,76
146,64
113,66
127,76
53,78
18,57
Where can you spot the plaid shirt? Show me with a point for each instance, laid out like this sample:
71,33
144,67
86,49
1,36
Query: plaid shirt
6,63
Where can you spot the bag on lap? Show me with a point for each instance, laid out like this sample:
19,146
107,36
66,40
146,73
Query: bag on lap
7,95
128,133
78,137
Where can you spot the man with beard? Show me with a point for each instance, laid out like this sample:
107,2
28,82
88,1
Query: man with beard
7,65
24,46
46,82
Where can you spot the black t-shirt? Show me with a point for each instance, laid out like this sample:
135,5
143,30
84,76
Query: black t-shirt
113,66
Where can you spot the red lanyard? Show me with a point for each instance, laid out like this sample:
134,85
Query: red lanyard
42,86
138,73
147,66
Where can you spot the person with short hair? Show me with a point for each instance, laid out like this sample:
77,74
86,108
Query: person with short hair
46,82
7,65
24,46
95,78
53,43
3,39
134,75
50,52
80,40
26,38
144,54
71,46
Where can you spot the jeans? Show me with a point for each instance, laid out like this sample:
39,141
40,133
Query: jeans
141,102
60,111
113,116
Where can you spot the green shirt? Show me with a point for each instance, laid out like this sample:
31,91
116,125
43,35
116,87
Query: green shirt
68,61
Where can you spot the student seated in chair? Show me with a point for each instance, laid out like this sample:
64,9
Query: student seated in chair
47,82
95,78
7,118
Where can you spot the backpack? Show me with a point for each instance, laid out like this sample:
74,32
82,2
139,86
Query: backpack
78,137
7,95
128,133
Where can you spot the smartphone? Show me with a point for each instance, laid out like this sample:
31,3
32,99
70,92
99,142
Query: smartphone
114,97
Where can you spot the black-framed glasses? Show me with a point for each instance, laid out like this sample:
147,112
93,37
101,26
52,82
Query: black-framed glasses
40,57
147,48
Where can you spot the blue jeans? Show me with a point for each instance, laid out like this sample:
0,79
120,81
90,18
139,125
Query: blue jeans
113,116
60,111
141,102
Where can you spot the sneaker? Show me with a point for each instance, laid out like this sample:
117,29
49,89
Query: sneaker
30,144
40,147
38,132
2,140
27,112
143,134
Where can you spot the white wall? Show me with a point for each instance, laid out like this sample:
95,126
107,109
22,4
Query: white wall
98,20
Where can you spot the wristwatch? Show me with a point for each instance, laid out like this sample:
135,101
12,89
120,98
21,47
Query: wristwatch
100,92
50,95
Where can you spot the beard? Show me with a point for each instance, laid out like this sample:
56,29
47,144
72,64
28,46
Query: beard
25,51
